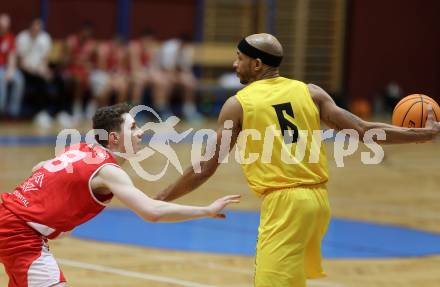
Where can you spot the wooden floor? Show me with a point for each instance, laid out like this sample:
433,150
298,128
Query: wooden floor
403,190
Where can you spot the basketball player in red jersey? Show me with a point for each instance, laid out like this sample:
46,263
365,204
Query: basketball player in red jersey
69,190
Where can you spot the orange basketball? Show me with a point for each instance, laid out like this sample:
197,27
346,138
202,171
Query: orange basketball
412,112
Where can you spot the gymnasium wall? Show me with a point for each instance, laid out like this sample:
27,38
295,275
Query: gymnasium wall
395,40
66,17
21,12
168,18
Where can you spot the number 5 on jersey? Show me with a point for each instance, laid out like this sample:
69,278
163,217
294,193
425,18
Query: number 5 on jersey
289,129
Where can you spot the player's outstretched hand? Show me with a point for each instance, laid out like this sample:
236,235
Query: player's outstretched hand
431,122
217,206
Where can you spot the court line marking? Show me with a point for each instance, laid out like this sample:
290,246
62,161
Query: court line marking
215,266
161,279
209,265
225,268
126,273
313,282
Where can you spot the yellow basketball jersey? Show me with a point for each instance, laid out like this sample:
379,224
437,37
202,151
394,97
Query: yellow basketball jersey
280,143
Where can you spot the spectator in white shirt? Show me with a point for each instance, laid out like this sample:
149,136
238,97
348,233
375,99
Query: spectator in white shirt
175,60
33,48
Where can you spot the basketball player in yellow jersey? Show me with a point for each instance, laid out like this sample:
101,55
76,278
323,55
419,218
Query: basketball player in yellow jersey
295,209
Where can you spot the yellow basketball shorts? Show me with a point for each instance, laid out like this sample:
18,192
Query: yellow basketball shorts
292,225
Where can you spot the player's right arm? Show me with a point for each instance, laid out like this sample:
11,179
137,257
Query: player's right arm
115,180
339,119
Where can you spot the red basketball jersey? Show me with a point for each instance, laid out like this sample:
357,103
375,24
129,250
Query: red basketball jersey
7,46
57,197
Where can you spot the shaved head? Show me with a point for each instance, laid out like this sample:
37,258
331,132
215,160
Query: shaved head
266,42
258,57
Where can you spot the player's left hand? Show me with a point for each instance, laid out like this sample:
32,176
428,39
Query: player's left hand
431,122
217,206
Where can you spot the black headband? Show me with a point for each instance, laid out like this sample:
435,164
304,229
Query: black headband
255,53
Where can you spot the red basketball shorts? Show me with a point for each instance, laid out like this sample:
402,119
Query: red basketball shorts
25,254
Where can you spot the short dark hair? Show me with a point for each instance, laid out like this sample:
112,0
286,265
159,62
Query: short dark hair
109,119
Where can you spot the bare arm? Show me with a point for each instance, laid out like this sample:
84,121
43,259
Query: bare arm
338,118
190,180
115,180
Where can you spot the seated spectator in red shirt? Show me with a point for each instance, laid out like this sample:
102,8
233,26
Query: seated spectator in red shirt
111,73
141,52
8,72
79,50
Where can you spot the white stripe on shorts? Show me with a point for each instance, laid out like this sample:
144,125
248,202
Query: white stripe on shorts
44,271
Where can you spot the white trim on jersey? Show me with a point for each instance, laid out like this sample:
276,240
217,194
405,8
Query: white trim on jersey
90,182
41,228
44,271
